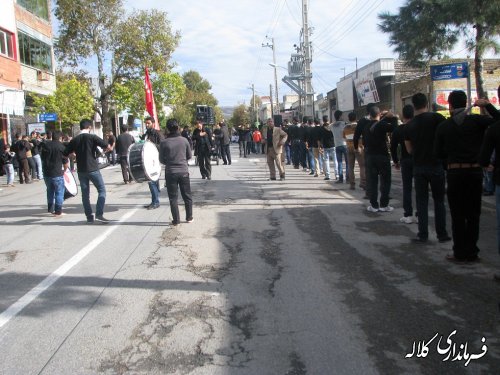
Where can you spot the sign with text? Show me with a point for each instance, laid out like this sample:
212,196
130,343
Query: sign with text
36,127
449,71
47,117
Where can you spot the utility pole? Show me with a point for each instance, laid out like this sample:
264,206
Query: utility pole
271,97
309,102
273,47
254,109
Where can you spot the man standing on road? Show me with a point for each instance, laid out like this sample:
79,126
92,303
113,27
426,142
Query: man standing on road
203,147
458,141
54,164
174,154
111,154
123,142
85,146
275,138
152,135
225,142
379,162
491,143
427,169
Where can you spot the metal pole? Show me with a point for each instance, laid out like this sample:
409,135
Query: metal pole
271,97
469,92
275,76
309,102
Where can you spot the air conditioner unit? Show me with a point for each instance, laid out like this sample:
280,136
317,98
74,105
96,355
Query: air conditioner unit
42,76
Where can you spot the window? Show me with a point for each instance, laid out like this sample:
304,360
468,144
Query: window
39,8
34,52
6,44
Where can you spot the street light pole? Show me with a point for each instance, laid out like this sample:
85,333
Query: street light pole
273,47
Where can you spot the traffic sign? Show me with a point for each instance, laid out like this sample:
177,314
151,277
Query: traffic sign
47,117
449,71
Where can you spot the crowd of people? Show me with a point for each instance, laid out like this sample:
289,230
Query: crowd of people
453,158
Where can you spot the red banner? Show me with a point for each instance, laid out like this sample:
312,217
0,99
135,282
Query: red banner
150,100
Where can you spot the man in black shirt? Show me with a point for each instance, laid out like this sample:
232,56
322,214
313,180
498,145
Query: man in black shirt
123,142
379,162
427,169
458,140
85,146
54,163
491,145
203,147
365,121
403,161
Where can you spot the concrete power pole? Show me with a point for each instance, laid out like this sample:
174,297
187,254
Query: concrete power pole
309,92
273,47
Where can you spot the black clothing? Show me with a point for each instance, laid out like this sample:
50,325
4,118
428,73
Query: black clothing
152,135
315,136
459,138
421,131
375,136
21,147
53,158
203,147
491,143
326,137
85,146
181,180
359,131
269,137
36,146
123,142
175,153
293,133
397,140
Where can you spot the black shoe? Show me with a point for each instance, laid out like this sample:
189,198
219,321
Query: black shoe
444,239
174,223
209,178
282,178
452,258
148,205
102,220
224,163
203,177
272,178
90,219
419,240
153,206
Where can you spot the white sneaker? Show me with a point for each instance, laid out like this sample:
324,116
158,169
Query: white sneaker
406,220
371,209
386,209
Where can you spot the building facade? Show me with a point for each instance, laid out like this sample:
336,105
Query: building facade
27,65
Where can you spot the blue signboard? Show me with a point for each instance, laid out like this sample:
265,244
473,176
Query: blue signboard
47,117
449,71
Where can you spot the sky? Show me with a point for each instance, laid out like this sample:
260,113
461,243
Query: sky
222,40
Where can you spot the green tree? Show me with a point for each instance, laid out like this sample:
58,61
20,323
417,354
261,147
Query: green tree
168,88
240,116
428,29
197,93
97,30
72,101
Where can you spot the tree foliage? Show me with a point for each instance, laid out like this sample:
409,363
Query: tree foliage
427,29
197,93
121,44
240,116
72,101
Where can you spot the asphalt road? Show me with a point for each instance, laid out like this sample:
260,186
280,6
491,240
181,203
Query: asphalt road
285,278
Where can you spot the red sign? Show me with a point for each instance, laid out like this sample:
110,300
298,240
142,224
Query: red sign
150,100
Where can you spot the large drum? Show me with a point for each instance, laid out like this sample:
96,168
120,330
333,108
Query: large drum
70,186
144,162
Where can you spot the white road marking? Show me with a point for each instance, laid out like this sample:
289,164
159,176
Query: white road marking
29,297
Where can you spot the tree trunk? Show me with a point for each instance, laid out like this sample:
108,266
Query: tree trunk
104,97
478,62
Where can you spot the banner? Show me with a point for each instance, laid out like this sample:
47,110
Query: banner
366,91
150,100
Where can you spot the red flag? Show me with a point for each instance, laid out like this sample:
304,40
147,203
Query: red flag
150,100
